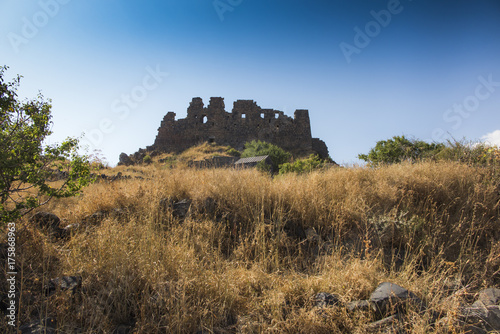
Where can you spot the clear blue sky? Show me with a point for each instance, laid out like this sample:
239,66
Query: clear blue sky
366,70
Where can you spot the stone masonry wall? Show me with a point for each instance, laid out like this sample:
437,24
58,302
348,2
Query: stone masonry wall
246,122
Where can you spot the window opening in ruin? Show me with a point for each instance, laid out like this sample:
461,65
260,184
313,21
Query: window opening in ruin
243,116
204,119
211,140
276,115
262,115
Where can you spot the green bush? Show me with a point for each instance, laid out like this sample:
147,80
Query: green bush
302,165
276,154
400,148
147,159
264,167
472,153
233,152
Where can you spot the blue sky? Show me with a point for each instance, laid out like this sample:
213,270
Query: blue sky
366,70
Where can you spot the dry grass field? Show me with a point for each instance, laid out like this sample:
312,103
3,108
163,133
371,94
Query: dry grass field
252,251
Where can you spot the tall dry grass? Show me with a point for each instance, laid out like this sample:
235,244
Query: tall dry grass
254,249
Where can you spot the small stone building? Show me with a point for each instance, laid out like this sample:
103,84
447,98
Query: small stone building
252,161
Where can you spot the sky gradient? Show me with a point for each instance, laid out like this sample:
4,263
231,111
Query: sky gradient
365,70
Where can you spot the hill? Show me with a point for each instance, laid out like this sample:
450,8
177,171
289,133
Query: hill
183,250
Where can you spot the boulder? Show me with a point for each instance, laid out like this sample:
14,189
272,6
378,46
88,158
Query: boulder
387,325
96,218
389,298
124,159
359,305
71,283
45,220
180,209
489,296
49,223
324,299
485,311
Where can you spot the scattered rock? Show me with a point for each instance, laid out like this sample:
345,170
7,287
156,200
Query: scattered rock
389,298
359,305
58,175
72,229
49,223
389,233
484,313
489,296
71,283
181,209
324,299
208,206
96,218
451,325
387,325
45,220
44,326
111,178
124,159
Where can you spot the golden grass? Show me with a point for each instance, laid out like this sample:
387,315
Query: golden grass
241,262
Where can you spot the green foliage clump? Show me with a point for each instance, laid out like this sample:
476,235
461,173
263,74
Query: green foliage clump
399,149
300,166
264,167
472,153
27,167
277,155
147,159
233,152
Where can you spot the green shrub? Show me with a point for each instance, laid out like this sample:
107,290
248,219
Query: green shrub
276,154
147,159
264,167
302,165
400,148
233,152
472,153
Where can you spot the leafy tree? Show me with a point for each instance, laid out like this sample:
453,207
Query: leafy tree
276,154
400,148
302,165
30,173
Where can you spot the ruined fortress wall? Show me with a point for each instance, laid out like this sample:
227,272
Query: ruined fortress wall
246,122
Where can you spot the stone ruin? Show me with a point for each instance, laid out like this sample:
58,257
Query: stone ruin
246,122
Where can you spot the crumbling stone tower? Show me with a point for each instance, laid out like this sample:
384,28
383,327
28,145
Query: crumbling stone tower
246,122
